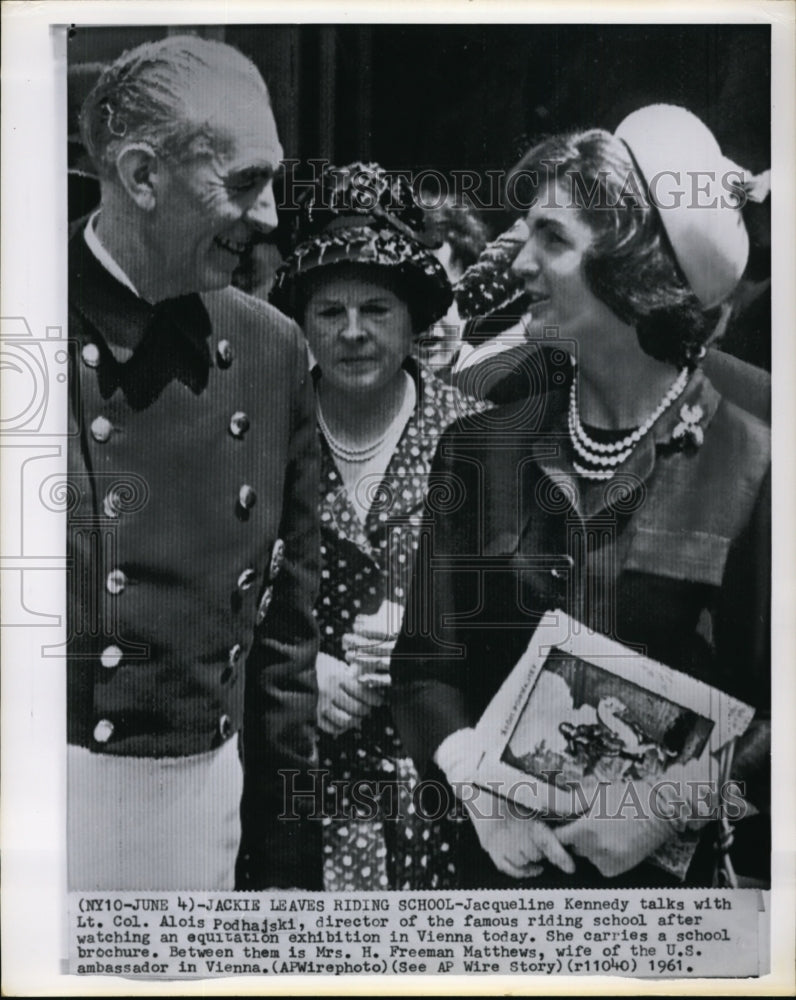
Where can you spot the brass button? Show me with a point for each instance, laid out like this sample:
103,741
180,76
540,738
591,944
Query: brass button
109,504
239,423
225,727
246,579
111,657
247,498
265,601
235,654
91,355
116,581
277,558
224,354
103,730
101,429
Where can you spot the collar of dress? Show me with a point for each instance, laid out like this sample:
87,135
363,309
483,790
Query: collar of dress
437,405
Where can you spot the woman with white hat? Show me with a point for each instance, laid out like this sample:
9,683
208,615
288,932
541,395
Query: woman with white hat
632,495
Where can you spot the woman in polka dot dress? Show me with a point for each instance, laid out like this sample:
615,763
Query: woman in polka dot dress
363,283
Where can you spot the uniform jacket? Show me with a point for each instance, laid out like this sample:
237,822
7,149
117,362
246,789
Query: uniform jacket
193,534
670,556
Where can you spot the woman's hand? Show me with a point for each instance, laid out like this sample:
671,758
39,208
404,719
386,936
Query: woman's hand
622,831
370,645
515,842
343,701
370,658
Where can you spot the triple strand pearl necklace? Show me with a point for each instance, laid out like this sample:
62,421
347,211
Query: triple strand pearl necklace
359,455
608,456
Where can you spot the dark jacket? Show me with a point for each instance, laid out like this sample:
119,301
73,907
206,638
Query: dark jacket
671,556
190,467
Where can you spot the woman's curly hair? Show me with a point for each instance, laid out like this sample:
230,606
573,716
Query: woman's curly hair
630,265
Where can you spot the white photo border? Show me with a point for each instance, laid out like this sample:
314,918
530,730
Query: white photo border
34,288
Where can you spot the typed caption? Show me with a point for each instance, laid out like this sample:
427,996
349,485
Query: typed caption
639,933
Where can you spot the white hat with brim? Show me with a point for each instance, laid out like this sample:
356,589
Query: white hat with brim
698,193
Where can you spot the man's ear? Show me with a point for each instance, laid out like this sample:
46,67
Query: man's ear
137,166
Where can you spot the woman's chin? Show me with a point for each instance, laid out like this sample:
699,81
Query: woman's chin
360,377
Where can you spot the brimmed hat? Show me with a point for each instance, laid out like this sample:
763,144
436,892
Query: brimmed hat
361,214
698,193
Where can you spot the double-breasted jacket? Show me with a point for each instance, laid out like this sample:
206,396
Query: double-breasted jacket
193,537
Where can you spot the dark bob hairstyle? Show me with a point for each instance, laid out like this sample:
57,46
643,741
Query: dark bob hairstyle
630,266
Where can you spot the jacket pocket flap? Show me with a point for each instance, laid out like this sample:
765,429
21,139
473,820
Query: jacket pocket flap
684,555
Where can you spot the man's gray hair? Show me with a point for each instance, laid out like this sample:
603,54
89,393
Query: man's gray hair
145,96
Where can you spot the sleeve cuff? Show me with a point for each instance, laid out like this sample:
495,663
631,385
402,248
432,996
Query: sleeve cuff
453,753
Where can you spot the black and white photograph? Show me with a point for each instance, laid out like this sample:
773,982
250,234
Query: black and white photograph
388,504
586,724
577,735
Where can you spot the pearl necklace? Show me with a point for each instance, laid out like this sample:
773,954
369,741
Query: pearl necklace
609,455
358,455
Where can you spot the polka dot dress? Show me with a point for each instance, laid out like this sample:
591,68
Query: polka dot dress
375,832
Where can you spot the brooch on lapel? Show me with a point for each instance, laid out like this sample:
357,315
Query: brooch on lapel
688,433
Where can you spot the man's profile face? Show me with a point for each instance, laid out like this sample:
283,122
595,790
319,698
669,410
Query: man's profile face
212,205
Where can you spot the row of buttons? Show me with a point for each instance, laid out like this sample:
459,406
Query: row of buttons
224,354
112,501
111,656
239,423
116,582
102,428
104,729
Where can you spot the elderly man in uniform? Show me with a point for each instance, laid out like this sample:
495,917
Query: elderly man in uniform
192,526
